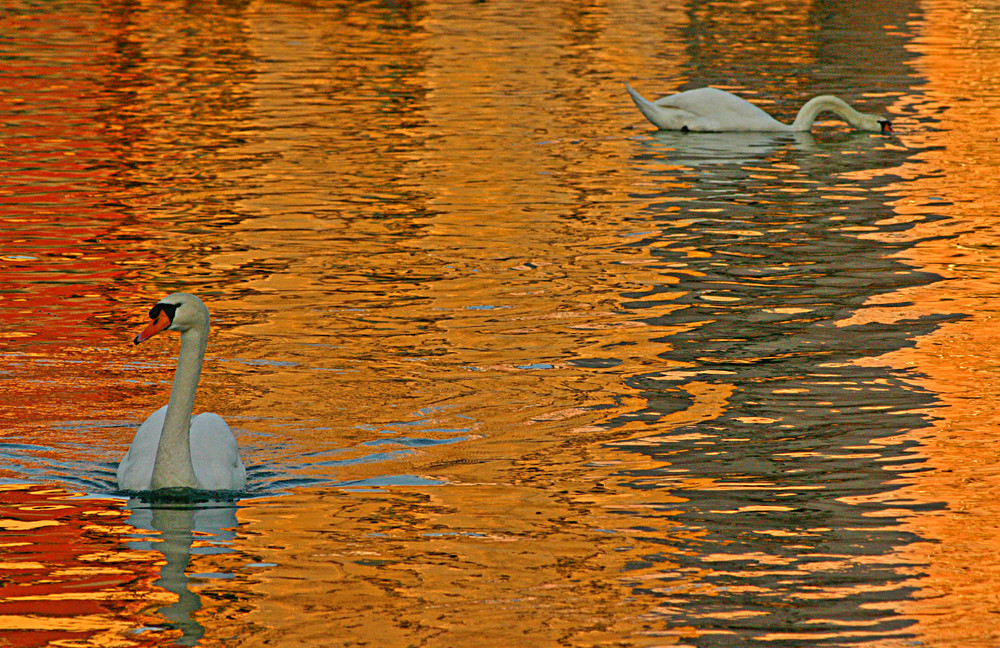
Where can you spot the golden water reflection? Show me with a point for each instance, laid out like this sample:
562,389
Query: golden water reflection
507,367
67,580
959,575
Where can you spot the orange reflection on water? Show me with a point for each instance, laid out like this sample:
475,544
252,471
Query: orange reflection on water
380,252
513,549
958,569
65,579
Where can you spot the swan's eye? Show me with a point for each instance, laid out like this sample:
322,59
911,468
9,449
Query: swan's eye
886,125
169,309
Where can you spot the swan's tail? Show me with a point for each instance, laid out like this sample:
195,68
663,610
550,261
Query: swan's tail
651,111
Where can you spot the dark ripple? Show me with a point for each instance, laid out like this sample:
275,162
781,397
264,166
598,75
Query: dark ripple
786,511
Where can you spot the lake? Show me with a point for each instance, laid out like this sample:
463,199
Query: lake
507,365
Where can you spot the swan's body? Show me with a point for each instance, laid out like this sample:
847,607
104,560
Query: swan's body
171,449
714,110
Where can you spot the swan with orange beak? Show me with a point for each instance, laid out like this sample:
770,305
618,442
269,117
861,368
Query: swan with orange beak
171,449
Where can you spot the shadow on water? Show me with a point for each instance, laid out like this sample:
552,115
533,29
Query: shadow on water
787,508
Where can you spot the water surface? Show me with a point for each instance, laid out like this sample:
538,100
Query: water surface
508,367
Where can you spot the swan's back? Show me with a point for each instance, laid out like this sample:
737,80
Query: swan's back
726,110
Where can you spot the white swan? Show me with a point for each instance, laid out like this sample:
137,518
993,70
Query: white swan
714,110
171,449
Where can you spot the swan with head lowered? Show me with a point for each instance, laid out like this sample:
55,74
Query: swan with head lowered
711,110
171,449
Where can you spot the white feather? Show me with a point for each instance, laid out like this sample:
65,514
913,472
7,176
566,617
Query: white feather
171,448
714,110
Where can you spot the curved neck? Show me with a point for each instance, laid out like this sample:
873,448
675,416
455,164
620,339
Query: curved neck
173,467
825,103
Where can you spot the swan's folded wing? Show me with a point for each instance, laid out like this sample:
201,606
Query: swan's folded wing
136,469
670,117
215,455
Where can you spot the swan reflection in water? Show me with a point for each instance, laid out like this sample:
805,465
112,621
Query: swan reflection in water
174,526
732,150
698,149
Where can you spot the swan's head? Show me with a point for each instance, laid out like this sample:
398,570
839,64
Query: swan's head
874,123
176,312
885,125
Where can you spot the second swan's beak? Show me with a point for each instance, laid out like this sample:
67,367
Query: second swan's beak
159,323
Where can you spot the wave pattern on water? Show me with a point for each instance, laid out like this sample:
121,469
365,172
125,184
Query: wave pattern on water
505,364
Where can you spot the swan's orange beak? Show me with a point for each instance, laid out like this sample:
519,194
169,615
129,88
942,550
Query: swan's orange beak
886,126
161,322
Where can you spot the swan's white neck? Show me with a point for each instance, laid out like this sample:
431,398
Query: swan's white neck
826,103
173,467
